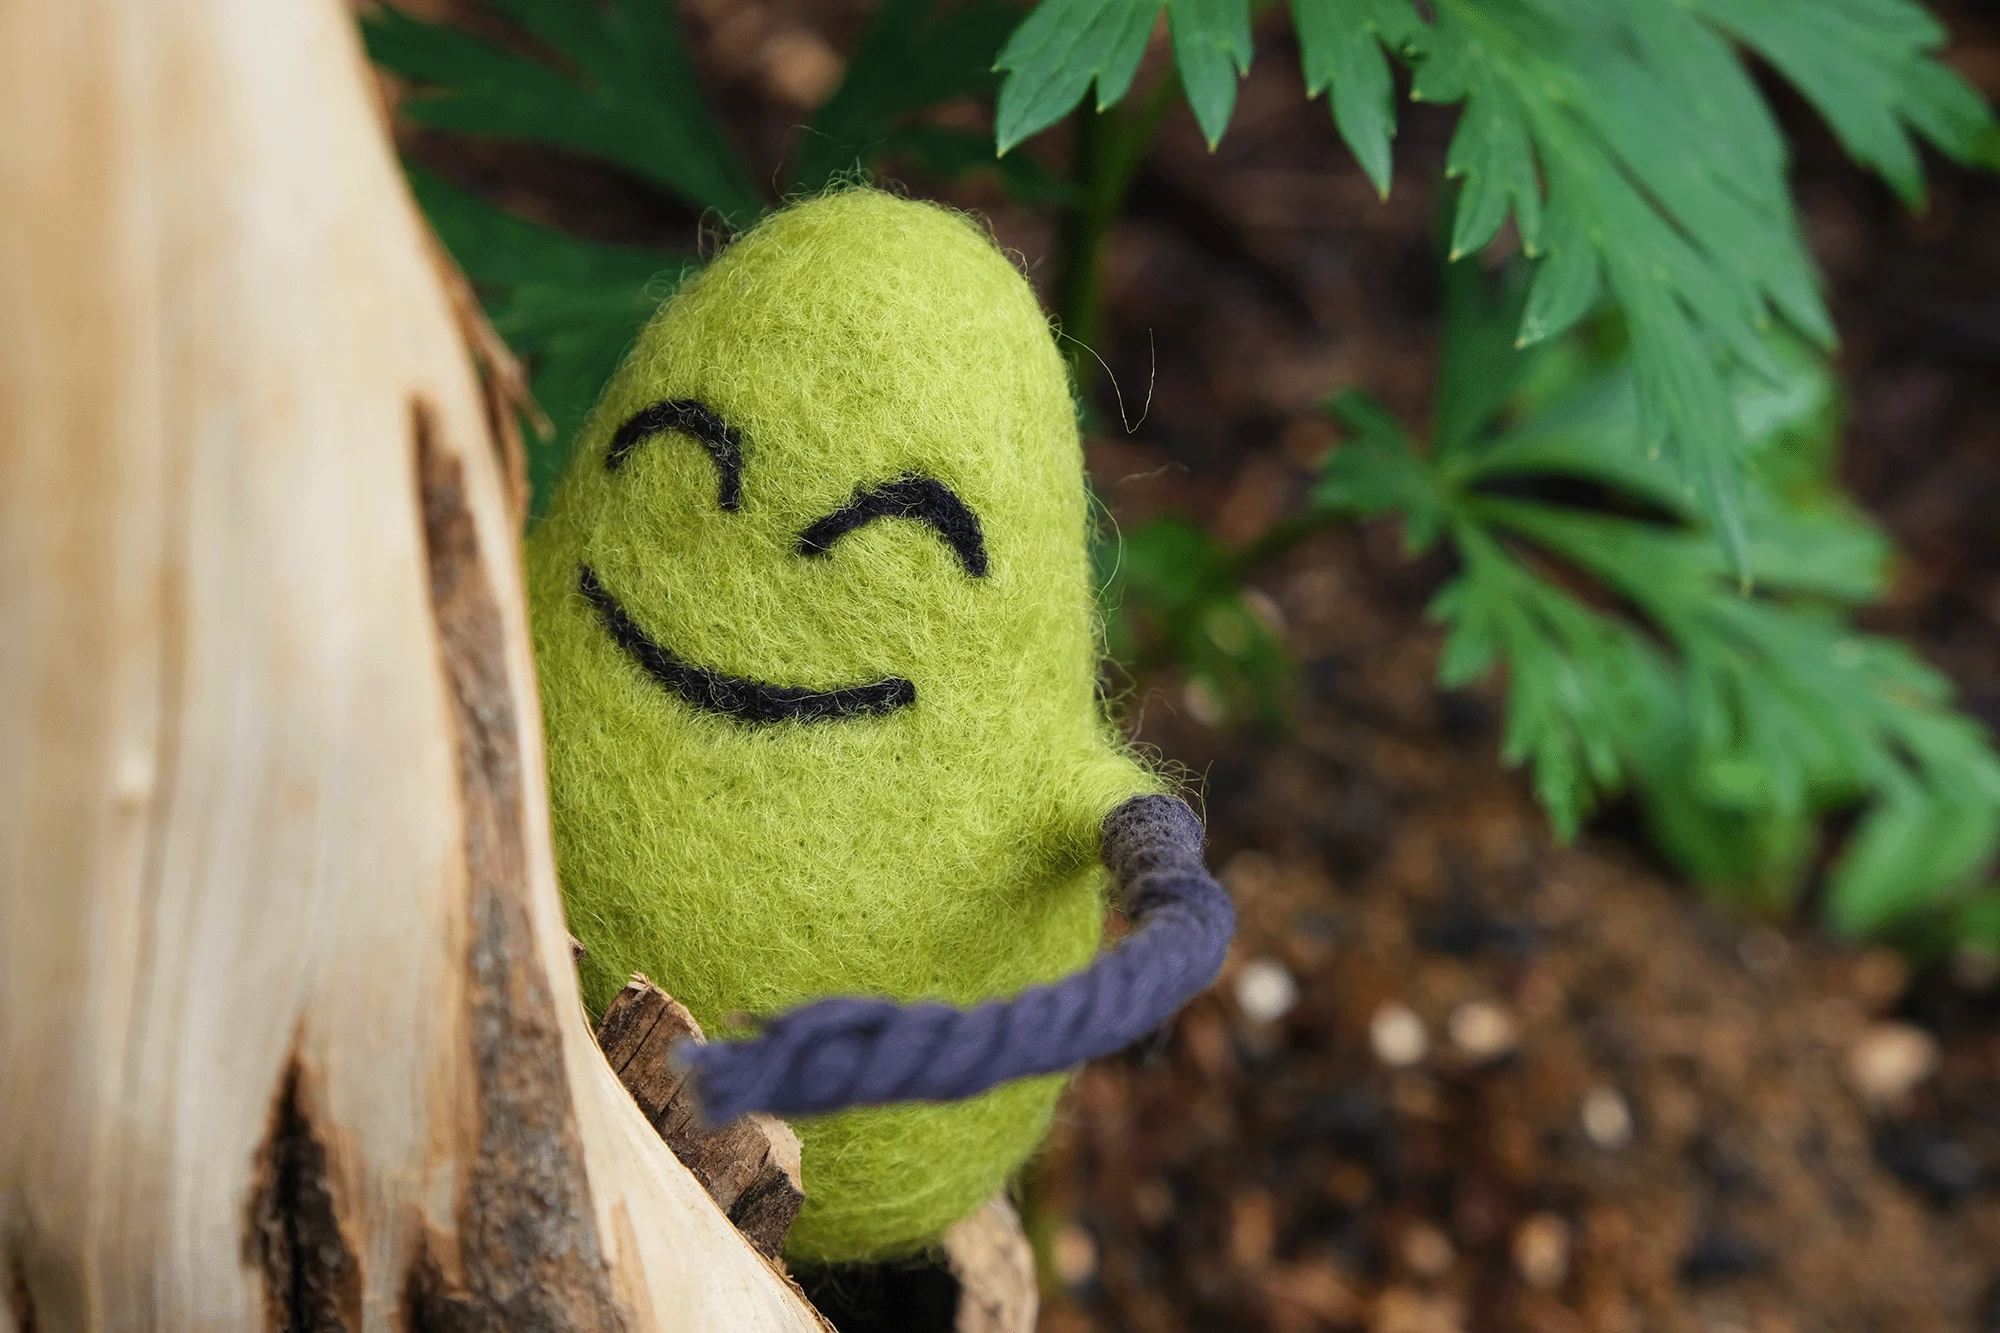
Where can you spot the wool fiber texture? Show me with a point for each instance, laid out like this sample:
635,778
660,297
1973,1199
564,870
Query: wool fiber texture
944,847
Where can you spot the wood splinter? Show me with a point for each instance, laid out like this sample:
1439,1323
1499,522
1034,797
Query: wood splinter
750,1167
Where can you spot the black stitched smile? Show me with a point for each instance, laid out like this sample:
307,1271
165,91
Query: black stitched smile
734,696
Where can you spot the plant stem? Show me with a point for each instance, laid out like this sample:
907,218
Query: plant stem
1109,146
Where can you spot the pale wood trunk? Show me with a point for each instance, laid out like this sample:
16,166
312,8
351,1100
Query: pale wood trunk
289,1034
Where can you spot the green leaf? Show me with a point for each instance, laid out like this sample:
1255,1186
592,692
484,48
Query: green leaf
1340,47
635,102
1736,721
1059,51
1378,470
952,153
1479,367
1491,152
1787,707
1869,67
1212,49
910,58
1628,142
1175,576
1578,682
569,308
1566,283
1909,852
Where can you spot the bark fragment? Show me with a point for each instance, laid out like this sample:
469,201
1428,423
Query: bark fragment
988,1252
529,1251
749,1166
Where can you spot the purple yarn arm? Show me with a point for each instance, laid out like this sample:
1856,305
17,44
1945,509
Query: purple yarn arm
849,1051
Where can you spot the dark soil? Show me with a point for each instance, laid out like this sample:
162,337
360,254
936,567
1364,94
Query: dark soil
1672,1138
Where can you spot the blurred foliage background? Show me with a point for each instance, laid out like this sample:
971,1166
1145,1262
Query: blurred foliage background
1632,441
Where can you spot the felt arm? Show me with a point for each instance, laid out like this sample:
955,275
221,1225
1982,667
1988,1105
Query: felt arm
850,1051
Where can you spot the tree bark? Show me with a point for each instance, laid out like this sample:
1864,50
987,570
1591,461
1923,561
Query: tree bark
289,1031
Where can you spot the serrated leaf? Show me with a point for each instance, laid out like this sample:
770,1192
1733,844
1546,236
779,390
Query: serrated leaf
950,153
1212,50
1577,680
1491,153
1340,48
638,104
1565,285
910,57
1479,368
1378,470
569,308
1056,54
1869,68
1907,852
1630,140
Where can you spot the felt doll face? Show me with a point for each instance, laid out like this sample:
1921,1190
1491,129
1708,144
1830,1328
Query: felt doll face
909,497
825,491
813,623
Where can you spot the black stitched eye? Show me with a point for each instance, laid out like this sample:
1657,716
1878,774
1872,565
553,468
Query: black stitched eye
923,498
692,419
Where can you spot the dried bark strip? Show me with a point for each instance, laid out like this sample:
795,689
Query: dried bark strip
503,383
527,1235
312,1282
750,1167
988,1252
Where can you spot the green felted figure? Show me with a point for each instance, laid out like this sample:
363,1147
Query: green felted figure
813,618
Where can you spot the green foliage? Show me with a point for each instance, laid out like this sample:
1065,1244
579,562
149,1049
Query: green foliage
1639,422
1059,51
1635,662
1175,594
910,59
1623,137
629,95
570,307
616,85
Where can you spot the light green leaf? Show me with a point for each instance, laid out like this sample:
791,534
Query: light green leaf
1910,851
1491,153
1565,287
1212,49
637,105
569,308
1340,48
1059,51
1869,67
911,57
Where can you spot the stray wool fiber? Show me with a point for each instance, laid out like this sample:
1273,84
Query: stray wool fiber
851,352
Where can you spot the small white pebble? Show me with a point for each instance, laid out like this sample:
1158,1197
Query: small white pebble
1265,990
799,68
1202,703
1428,1251
1397,1035
1888,1060
1482,1030
1607,1120
1764,952
1075,1255
1267,610
1541,1251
